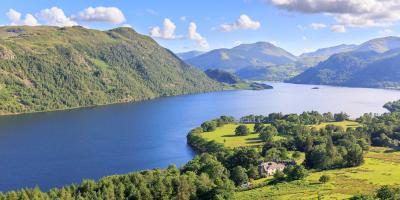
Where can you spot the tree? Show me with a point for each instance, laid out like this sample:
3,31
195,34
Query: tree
239,175
296,155
276,154
296,172
258,127
242,130
268,133
324,179
209,126
361,197
388,193
341,117
279,176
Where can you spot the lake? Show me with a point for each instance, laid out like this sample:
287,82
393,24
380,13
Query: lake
57,148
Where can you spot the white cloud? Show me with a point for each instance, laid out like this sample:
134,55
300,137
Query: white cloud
244,22
338,28
317,26
386,32
356,13
126,25
182,18
30,20
16,20
102,14
167,32
13,15
55,17
304,38
194,35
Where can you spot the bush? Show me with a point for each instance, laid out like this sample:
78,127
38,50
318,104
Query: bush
209,126
324,179
242,130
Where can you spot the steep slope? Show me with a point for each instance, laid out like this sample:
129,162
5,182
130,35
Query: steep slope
380,45
50,68
189,54
222,76
356,69
313,58
245,55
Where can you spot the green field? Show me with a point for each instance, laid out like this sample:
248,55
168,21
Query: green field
381,167
344,124
226,135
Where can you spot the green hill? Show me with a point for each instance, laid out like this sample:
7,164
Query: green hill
51,68
356,69
222,76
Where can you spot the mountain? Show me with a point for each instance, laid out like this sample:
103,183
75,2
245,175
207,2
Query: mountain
245,55
330,50
270,73
380,45
222,76
250,56
51,68
313,58
356,69
189,54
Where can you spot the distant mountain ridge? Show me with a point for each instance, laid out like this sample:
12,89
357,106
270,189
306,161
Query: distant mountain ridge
244,55
249,56
375,63
189,54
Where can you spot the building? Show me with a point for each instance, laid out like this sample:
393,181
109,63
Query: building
270,168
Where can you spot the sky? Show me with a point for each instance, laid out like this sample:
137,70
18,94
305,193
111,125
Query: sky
296,25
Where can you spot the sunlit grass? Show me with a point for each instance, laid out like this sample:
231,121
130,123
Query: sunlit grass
381,167
344,124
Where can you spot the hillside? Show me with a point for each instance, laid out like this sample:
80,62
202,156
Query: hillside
189,54
222,76
51,68
249,56
374,63
313,58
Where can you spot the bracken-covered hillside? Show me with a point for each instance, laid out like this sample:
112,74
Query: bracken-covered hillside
51,68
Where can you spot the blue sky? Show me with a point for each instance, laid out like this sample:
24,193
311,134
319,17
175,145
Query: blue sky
286,23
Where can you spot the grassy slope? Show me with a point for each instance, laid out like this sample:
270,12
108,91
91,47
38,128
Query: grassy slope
226,134
344,124
380,168
51,68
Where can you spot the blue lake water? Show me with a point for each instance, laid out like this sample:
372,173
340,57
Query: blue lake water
58,148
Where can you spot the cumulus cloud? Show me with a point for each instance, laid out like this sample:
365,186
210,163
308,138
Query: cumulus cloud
102,14
14,15
338,28
194,35
317,26
16,19
55,17
356,13
167,32
30,20
244,22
